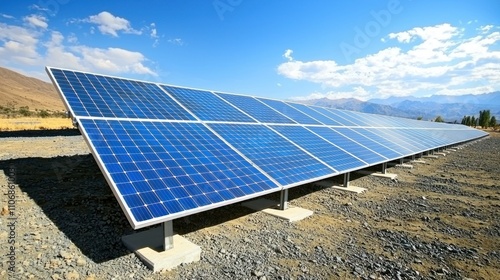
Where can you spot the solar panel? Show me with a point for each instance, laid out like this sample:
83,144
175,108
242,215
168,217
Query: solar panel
289,111
256,109
169,152
283,161
329,113
338,159
206,105
161,169
100,96
366,141
313,113
357,149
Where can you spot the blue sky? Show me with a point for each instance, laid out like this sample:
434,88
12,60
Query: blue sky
277,49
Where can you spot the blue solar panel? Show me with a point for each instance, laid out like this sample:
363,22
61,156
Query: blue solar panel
396,144
256,109
406,136
282,160
339,120
161,169
206,105
289,111
368,143
313,113
358,150
100,96
169,152
320,148
353,120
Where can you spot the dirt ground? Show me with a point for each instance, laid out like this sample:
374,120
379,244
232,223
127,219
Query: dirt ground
438,220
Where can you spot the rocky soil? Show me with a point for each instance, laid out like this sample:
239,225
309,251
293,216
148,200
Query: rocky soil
438,220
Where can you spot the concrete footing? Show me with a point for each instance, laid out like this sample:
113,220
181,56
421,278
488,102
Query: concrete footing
378,174
430,156
400,165
440,154
147,245
349,188
418,161
406,166
292,214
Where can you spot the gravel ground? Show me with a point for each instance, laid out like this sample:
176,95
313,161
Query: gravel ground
439,220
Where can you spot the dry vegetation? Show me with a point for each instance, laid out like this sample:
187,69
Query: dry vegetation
15,124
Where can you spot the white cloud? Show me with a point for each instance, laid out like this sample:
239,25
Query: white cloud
176,41
109,24
153,33
485,28
24,47
288,54
36,21
431,62
7,16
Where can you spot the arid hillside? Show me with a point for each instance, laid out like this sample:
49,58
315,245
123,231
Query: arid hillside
18,90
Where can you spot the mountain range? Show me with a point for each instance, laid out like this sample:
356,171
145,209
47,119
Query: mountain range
450,108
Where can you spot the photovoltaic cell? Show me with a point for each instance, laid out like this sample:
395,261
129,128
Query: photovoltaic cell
396,144
206,105
320,148
161,168
101,96
256,109
289,111
282,160
368,143
354,148
313,113
339,120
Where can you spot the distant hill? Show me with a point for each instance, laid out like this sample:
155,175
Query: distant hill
451,108
492,98
19,90
353,104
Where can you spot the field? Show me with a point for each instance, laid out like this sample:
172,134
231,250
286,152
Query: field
16,124
439,220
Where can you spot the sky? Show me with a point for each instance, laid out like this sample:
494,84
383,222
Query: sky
294,50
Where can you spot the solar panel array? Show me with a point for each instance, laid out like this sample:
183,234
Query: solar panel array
169,151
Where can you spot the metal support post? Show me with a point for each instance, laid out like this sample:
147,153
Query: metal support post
346,179
401,161
284,199
384,168
168,235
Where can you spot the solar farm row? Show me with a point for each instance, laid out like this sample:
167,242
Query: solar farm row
169,151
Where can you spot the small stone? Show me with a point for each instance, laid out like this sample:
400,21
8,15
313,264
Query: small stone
81,262
257,273
5,210
65,255
55,277
73,275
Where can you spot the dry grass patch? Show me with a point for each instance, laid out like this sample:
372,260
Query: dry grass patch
16,124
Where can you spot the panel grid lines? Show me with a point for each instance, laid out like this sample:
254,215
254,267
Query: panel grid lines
170,151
